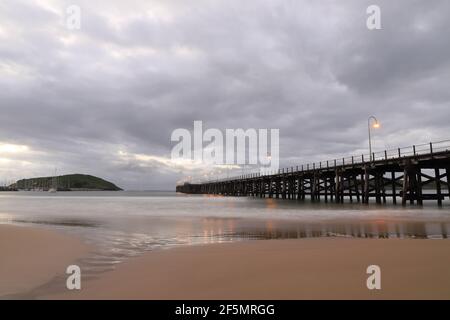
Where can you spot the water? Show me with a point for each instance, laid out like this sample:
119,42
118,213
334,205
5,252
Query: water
125,224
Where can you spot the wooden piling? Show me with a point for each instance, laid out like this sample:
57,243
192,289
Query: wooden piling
437,175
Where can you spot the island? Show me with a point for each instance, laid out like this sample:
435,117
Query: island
69,182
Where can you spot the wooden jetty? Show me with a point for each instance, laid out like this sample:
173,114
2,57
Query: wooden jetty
404,175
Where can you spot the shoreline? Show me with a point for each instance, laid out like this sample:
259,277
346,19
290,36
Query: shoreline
314,268
306,268
31,256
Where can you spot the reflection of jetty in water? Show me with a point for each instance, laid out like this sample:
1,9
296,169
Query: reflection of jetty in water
366,229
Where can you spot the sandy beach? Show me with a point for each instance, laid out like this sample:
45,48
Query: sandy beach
325,268
30,257
314,268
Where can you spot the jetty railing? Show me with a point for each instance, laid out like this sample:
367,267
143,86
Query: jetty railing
389,154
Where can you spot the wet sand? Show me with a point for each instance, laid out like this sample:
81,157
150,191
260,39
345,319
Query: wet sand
30,257
317,268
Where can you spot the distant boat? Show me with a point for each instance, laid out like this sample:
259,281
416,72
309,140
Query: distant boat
54,187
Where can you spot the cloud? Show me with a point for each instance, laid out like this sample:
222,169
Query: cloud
137,70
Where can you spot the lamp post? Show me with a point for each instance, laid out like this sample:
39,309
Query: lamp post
375,125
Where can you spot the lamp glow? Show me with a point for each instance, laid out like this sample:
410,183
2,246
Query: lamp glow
375,125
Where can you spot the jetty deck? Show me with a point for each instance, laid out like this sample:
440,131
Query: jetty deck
405,175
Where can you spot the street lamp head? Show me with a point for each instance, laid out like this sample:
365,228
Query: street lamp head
375,125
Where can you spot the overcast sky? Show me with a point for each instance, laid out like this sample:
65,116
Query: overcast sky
105,99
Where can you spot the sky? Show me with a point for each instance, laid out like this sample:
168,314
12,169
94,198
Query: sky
105,98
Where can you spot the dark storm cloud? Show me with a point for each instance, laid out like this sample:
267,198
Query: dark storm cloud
105,99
